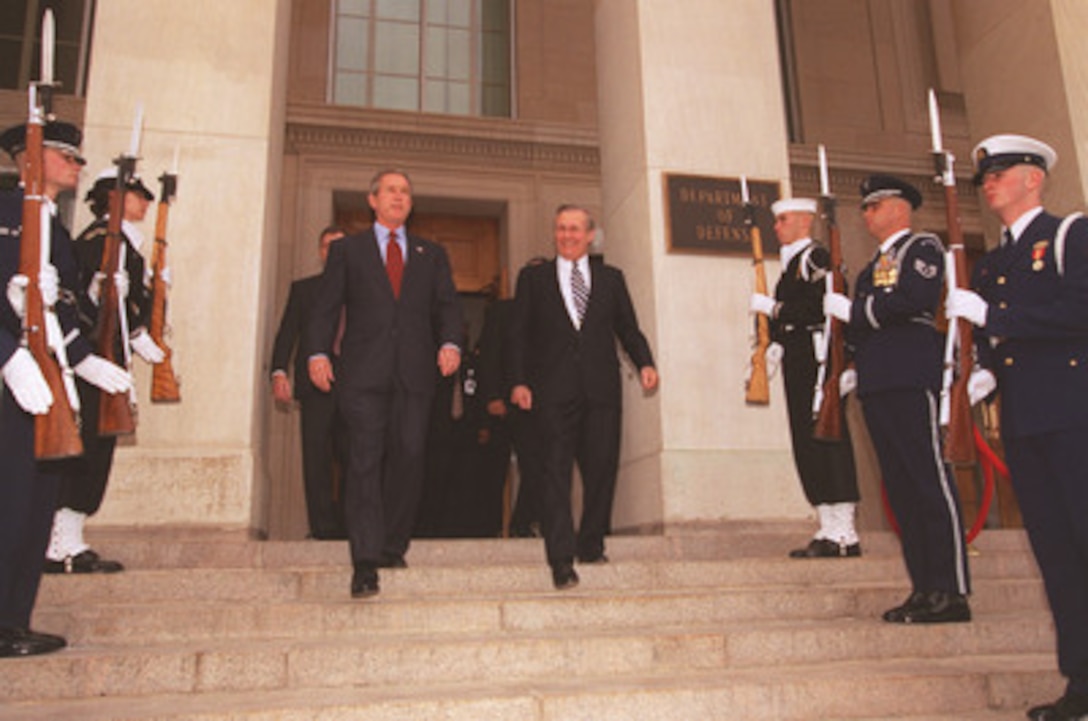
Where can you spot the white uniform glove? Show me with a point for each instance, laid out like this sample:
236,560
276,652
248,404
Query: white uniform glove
145,347
761,303
17,294
105,375
94,290
837,305
848,381
773,355
980,385
966,304
149,276
48,285
26,382
120,279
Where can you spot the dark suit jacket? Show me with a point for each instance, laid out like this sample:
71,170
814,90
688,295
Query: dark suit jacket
1039,319
559,362
290,337
386,339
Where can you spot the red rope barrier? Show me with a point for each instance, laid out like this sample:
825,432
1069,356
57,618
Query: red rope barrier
989,461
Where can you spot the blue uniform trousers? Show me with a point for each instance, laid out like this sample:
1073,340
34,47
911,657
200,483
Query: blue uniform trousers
903,426
1050,475
28,497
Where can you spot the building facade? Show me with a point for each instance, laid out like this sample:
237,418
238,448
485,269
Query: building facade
280,112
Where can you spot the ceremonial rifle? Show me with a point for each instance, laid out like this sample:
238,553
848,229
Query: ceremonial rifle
164,384
828,411
116,414
959,441
56,432
757,392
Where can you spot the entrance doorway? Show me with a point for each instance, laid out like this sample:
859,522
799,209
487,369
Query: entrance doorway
471,236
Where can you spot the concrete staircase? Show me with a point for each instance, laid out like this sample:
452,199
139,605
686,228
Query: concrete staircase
707,624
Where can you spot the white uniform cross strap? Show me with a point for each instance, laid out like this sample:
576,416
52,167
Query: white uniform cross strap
1059,241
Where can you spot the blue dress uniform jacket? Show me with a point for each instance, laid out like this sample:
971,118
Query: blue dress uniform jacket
1039,322
891,329
28,488
1036,343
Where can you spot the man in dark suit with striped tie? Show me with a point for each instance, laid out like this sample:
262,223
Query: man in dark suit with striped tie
568,314
402,319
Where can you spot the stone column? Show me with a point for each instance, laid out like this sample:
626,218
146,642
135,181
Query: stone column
694,88
210,76
1024,71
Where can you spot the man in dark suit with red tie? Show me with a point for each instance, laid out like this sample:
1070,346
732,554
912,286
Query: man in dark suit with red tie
563,366
402,318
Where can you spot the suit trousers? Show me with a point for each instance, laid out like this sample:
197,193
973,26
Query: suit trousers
1048,474
387,433
589,434
923,496
28,498
323,443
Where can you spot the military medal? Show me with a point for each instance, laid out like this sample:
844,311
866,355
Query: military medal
1038,252
886,272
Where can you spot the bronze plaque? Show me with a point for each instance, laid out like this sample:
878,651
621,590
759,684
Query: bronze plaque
705,214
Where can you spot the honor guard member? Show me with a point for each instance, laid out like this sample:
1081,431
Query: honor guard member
1031,306
796,315
898,355
83,483
28,487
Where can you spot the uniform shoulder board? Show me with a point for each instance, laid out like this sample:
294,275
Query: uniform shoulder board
925,239
1059,240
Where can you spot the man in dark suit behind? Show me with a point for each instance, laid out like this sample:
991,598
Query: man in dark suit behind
563,366
321,428
402,316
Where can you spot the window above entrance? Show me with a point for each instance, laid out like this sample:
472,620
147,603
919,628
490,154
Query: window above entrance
435,56
20,42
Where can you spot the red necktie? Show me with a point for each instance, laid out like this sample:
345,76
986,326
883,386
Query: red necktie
394,264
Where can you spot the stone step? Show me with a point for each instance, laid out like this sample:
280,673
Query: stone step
238,664
700,625
281,582
985,688
583,609
196,548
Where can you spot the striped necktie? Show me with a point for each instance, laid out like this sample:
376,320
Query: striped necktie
579,292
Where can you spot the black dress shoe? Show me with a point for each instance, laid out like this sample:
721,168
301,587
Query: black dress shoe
392,561
85,562
364,581
564,576
897,614
16,642
599,558
1070,707
823,548
935,607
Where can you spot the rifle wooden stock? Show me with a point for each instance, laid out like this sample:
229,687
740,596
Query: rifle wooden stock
56,432
828,426
758,391
959,445
164,384
115,416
